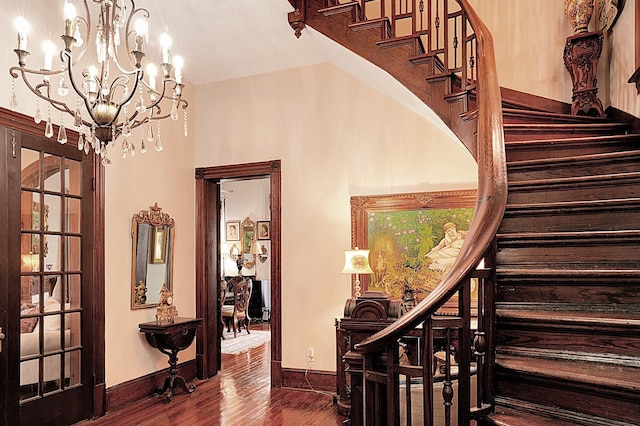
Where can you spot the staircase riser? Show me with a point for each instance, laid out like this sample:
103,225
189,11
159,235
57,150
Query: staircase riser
590,400
565,170
536,337
525,118
599,220
575,192
558,150
548,291
592,256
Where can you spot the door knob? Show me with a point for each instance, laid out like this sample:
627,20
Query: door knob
2,336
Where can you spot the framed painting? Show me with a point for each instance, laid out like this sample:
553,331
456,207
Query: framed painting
413,238
158,252
233,231
264,230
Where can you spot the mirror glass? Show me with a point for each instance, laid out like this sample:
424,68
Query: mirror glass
152,234
247,235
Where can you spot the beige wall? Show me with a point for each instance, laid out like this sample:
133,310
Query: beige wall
134,184
529,39
336,138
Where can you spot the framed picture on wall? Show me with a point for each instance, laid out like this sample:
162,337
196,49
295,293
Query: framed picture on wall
413,238
233,231
264,230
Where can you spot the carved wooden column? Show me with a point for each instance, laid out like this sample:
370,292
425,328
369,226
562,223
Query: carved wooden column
581,55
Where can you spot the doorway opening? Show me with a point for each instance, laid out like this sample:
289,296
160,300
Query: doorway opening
210,236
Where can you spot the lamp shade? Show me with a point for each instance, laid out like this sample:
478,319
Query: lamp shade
356,261
255,248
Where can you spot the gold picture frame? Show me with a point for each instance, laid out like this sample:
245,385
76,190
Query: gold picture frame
158,252
402,231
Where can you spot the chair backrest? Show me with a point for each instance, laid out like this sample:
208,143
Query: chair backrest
242,294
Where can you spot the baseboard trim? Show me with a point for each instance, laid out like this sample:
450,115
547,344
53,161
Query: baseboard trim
319,380
123,394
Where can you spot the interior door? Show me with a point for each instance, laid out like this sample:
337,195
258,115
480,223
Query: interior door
47,280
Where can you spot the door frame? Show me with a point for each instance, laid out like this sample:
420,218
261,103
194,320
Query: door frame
207,229
94,317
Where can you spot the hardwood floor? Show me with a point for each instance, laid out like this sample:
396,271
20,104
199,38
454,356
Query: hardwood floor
239,395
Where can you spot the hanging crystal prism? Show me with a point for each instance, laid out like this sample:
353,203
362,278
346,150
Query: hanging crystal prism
62,133
105,160
150,132
186,128
48,129
63,89
94,143
87,145
158,146
37,118
80,142
143,147
77,119
132,148
174,109
13,103
140,107
76,35
125,148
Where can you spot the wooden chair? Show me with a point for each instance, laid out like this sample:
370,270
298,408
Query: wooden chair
237,313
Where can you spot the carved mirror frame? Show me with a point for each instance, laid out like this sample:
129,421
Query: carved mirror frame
152,235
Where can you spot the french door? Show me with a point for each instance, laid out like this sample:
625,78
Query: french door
46,283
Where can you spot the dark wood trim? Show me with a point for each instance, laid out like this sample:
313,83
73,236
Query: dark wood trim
127,393
516,98
319,380
635,78
622,116
207,341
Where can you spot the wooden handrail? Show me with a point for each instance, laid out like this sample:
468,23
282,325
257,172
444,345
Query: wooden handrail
492,193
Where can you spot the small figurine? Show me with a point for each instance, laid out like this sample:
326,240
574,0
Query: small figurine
140,293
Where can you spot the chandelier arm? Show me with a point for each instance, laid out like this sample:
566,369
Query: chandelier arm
87,104
60,106
126,101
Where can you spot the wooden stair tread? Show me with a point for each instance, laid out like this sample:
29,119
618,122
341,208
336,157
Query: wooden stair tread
568,272
507,112
505,416
612,178
583,127
572,371
621,319
562,161
573,205
515,412
593,140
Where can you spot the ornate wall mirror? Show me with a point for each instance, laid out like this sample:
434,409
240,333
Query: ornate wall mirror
152,234
247,236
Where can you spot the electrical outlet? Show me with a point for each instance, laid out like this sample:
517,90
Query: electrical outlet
311,354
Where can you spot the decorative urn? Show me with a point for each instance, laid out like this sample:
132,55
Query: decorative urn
579,13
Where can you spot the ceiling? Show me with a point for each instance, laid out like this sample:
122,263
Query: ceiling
225,39
220,40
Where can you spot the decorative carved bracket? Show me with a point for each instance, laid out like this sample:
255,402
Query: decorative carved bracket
581,55
296,20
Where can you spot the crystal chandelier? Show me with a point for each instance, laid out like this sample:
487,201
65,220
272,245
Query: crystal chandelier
113,97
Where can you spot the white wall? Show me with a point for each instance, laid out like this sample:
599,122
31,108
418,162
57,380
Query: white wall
336,138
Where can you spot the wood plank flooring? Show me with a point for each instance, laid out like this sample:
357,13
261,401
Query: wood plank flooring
239,395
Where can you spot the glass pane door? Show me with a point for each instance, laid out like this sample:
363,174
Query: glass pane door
51,276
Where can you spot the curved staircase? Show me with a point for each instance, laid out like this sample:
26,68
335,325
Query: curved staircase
559,341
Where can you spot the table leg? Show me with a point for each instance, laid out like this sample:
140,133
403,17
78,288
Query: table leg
174,380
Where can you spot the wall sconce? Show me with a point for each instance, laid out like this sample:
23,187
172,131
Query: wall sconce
234,253
356,262
259,251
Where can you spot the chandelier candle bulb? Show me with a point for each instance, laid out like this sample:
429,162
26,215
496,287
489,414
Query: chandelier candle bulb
165,42
69,18
49,49
22,26
178,63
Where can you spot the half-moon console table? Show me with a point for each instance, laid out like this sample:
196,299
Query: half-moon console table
170,337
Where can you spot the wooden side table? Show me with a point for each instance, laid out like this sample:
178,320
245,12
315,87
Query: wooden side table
170,337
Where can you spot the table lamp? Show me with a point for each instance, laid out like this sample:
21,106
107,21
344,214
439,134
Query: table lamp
356,262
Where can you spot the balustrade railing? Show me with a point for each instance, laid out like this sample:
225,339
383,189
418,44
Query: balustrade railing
445,342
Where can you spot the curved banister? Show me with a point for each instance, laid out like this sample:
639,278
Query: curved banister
492,193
